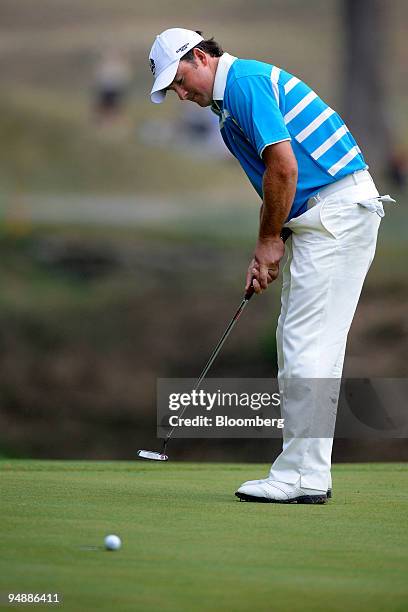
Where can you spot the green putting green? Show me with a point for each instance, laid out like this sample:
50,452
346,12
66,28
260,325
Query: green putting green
190,545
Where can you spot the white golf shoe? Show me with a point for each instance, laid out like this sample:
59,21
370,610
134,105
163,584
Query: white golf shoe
273,491
329,493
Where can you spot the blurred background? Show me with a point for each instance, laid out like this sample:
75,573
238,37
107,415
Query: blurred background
126,229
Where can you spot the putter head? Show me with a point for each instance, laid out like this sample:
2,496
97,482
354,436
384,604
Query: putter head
152,455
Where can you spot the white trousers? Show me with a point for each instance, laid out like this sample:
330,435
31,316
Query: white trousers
328,256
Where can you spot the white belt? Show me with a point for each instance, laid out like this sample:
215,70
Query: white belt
374,205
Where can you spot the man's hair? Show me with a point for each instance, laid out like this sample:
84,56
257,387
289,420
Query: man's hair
209,46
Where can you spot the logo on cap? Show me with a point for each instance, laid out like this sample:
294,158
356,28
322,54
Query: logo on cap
182,48
152,66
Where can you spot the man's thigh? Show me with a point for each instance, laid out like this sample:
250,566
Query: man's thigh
333,245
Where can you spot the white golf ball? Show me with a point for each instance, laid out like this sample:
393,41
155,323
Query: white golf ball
112,542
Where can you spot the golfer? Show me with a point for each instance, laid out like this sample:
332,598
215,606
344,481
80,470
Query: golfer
312,179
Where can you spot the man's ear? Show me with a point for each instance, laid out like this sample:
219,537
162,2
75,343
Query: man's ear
200,56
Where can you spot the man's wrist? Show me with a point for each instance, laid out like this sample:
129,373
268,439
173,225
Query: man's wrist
270,238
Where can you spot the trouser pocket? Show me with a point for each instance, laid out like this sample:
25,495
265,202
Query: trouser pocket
375,205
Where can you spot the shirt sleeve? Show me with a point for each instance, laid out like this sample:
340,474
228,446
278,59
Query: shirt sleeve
253,107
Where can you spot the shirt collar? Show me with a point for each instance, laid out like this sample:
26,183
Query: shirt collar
224,64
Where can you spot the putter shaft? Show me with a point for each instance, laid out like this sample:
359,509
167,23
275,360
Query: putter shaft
249,293
214,354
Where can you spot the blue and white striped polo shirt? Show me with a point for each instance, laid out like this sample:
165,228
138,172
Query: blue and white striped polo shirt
260,105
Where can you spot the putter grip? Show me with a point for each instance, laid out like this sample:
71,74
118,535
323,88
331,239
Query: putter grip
249,293
285,233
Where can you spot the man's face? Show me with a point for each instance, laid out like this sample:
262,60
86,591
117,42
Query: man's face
194,81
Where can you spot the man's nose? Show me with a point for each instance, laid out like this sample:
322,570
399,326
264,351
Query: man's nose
181,92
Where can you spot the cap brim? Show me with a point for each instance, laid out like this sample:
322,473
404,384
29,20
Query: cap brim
163,80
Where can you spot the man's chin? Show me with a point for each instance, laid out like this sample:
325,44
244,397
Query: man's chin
200,101
203,103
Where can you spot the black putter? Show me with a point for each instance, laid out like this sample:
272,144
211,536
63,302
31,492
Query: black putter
161,456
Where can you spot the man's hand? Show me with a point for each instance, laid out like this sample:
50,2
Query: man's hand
264,267
279,187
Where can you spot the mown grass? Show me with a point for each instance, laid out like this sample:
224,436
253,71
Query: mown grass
189,545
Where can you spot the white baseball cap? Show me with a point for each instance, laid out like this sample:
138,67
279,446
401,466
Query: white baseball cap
165,55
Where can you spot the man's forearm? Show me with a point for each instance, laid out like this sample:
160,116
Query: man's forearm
279,189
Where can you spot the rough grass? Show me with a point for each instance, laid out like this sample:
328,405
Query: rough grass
49,52
50,146
189,545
